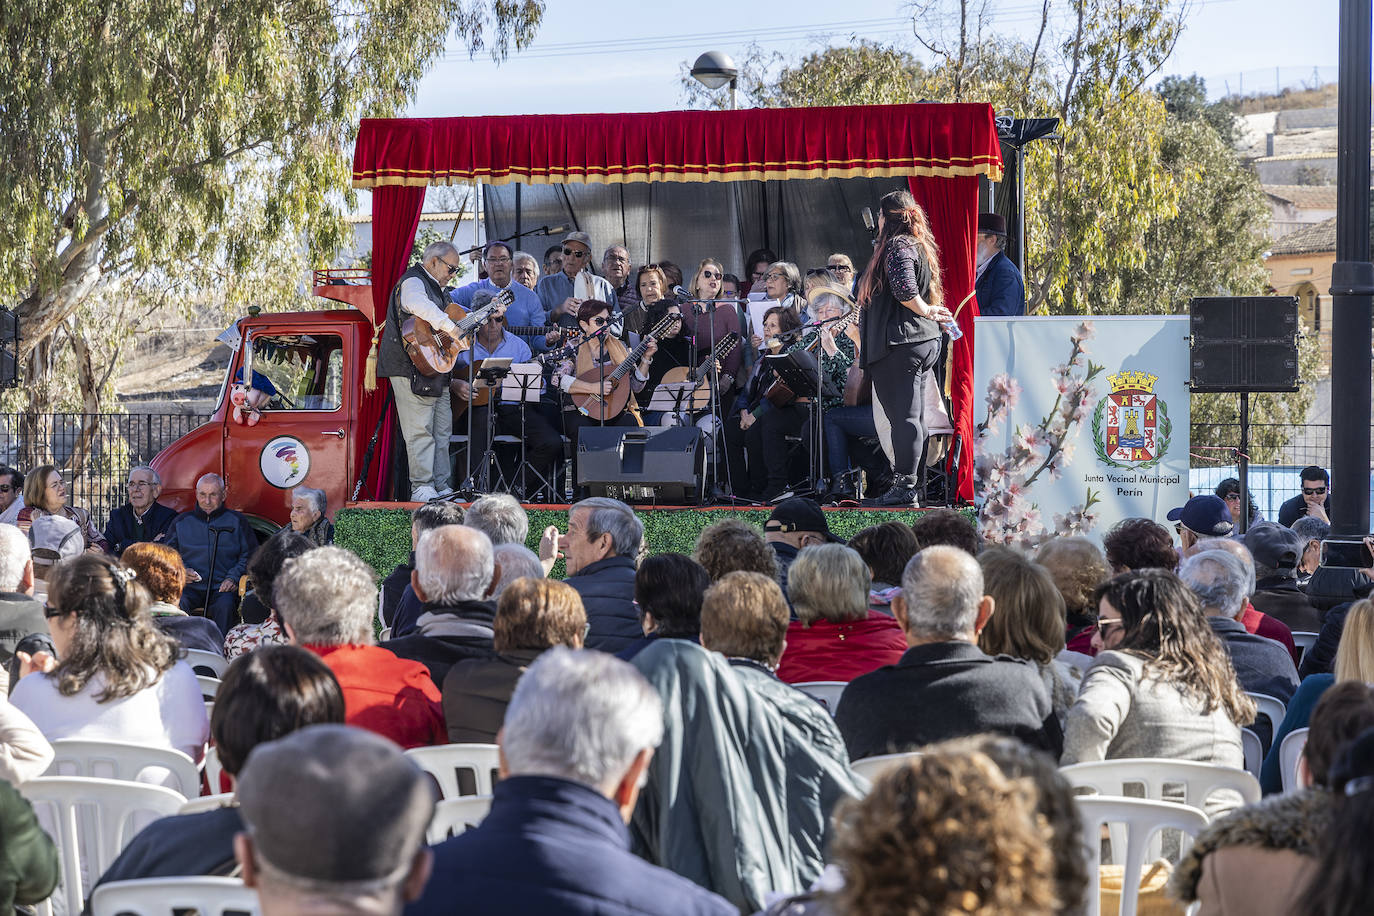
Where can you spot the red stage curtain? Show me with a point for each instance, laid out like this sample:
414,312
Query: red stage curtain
395,217
762,144
952,206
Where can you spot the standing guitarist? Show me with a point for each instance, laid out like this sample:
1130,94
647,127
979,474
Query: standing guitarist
525,311
422,404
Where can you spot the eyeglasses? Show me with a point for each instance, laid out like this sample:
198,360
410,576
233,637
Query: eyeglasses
49,612
1230,496
774,275
452,268
5,488
711,274
600,322
1313,491
574,253
841,268
139,485
1104,625
501,260
620,258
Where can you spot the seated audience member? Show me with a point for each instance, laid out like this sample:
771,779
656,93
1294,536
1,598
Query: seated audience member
534,614
1228,491
1254,621
835,636
1077,566
11,495
793,524
947,832
263,696
45,493
116,676
159,568
1161,686
52,539
334,822
1257,860
668,592
211,533
500,517
21,616
757,818
399,608
948,528
1354,662
454,572
945,686
1277,552
1138,543
1313,501
603,539
731,545
31,869
579,735
1200,517
261,626
325,599
1311,532
142,518
308,519
513,561
1028,622
886,548
1341,882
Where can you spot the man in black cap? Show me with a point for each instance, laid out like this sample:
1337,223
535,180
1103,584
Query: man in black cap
1201,517
795,523
1277,552
1000,288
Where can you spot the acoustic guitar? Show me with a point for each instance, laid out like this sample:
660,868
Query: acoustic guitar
435,352
609,407
482,394
779,394
701,394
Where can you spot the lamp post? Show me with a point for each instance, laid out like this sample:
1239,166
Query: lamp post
714,69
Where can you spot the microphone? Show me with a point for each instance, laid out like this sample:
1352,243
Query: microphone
682,295
555,230
869,222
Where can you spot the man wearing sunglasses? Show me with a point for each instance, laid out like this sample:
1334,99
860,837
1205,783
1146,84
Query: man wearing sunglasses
1314,500
422,404
564,291
11,495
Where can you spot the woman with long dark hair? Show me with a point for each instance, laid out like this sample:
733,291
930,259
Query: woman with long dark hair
902,296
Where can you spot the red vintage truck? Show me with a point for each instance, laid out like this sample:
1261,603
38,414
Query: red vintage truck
325,429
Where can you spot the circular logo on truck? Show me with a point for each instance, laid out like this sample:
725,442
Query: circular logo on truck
284,461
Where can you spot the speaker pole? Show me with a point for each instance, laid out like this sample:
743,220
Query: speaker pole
1243,461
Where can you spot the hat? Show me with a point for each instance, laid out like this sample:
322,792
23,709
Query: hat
260,381
825,289
1204,515
53,538
582,237
992,223
799,514
335,803
1275,546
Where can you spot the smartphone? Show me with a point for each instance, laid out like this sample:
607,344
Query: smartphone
1346,553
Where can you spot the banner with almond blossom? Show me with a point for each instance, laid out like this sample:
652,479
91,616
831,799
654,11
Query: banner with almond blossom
1080,424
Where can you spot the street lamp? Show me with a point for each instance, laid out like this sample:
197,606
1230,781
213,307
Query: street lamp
714,69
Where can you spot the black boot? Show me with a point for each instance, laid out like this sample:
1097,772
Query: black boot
904,493
842,490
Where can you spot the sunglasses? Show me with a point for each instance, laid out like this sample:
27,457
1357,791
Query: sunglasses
452,268
1104,625
5,488
1313,491
573,253
841,268
49,612
711,274
600,322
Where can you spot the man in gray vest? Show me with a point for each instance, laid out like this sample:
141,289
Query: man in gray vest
422,404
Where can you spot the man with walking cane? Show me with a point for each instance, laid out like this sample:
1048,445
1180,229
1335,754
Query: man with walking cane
215,544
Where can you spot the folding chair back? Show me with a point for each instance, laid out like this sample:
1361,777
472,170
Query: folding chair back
127,761
459,769
872,767
1137,821
199,658
1290,754
827,692
168,896
453,816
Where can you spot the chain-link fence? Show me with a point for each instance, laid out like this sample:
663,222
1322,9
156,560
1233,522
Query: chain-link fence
93,451
1288,447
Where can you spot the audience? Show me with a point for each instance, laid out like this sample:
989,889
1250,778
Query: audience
945,686
211,534
1200,517
1277,551
886,549
512,562
1138,543
668,592
603,538
334,822
308,519
325,599
142,518
579,737
261,627
1077,567
793,524
731,545
21,617
1314,501
1341,882
835,636
1253,620
115,676
1311,532
534,615
500,517
454,574
159,568
11,495
399,608
264,695
946,528
45,493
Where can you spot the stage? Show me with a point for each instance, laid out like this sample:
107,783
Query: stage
380,532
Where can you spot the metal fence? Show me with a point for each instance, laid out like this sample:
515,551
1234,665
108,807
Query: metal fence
93,451
1277,452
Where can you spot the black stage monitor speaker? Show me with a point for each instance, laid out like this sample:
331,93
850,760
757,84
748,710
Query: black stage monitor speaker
641,464
1244,343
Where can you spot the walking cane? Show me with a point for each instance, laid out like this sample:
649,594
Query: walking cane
210,573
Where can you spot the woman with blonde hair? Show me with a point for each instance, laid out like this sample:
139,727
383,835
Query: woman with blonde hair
45,493
708,328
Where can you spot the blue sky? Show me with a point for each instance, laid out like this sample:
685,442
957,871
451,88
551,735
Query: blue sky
615,55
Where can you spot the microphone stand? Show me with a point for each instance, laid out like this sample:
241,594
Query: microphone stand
708,307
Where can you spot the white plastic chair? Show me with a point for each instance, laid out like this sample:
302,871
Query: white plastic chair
207,803
1271,708
126,761
212,660
1304,640
1199,780
1290,753
165,896
209,686
872,767
1253,749
91,821
213,769
828,692
1135,822
453,816
444,761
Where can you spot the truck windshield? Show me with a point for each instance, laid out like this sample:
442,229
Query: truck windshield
305,369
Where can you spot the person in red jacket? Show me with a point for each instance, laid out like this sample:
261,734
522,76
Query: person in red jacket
326,598
835,636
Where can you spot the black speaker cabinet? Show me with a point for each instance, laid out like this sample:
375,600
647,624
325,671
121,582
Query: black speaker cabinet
1244,343
641,464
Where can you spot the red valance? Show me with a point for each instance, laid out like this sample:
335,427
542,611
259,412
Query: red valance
946,141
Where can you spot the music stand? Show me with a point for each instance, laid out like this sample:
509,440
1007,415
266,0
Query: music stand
801,372
669,397
525,385
489,376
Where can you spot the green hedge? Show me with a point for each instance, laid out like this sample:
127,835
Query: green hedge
382,536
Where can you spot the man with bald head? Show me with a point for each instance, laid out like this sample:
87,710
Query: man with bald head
215,543
454,577
945,686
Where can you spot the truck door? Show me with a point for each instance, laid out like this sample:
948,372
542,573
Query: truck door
305,429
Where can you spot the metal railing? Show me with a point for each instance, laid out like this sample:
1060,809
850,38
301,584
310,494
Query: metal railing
93,451
1277,453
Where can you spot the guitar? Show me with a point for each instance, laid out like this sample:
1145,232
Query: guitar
482,396
701,394
435,353
610,406
779,394
565,335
